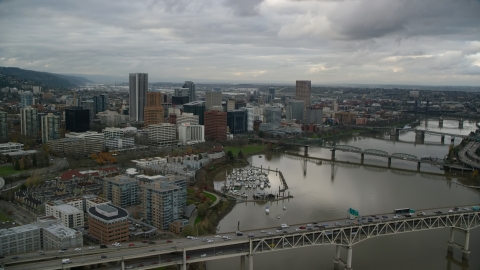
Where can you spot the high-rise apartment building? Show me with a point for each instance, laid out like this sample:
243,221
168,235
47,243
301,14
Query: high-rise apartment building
191,90
197,108
138,83
3,124
29,122
77,119
237,121
121,190
153,112
162,134
303,92
164,200
212,100
50,125
27,99
216,125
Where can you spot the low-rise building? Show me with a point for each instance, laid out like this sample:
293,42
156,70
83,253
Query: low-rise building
20,239
108,223
190,134
10,147
162,134
78,144
56,236
69,215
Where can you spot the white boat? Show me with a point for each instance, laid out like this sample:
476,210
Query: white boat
261,186
278,217
284,208
407,127
267,210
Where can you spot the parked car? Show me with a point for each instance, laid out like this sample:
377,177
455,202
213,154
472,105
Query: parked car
103,257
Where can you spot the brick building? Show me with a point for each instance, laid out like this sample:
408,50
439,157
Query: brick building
108,223
216,125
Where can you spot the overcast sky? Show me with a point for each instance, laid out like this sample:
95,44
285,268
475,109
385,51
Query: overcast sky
429,42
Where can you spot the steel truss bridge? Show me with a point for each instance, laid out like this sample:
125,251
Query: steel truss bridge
341,235
416,130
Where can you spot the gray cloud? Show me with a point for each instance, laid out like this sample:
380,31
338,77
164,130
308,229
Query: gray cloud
370,41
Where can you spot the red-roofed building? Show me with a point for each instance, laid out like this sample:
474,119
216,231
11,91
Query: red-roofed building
71,174
109,171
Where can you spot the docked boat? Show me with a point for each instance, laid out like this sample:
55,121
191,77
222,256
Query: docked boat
262,186
284,208
407,127
267,210
278,217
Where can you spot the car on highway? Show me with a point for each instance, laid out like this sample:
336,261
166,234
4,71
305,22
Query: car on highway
146,241
270,233
103,257
209,241
437,212
240,250
203,255
219,252
396,216
152,242
90,248
151,250
78,249
302,227
129,267
421,214
61,251
278,231
169,241
218,236
251,235
384,217
15,258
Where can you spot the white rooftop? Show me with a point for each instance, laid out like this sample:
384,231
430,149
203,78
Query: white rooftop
68,209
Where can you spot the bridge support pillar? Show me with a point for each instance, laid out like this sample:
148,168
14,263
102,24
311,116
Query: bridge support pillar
442,139
333,154
250,262
184,265
460,123
305,150
362,157
389,162
336,259
242,262
440,122
466,247
418,166
123,265
349,258
452,141
452,239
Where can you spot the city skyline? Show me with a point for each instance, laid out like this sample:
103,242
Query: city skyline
431,42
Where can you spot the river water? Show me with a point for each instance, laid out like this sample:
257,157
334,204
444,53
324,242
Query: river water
326,191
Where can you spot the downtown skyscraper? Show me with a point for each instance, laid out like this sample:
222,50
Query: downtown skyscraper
138,83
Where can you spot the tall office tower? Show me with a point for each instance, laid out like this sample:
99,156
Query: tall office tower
197,108
273,115
230,105
50,127
138,91
191,90
3,124
153,113
295,110
101,103
237,121
213,99
27,99
303,92
271,94
90,106
77,119
216,125
29,122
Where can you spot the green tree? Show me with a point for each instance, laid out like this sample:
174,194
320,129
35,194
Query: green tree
202,209
240,154
200,156
187,230
34,160
16,165
261,134
230,155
